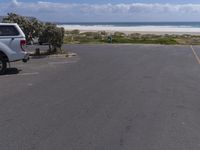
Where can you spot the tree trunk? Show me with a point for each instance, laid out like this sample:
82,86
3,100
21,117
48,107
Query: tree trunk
50,48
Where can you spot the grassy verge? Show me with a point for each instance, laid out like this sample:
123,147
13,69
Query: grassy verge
135,38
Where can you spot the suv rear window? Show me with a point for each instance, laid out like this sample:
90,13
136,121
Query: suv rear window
7,30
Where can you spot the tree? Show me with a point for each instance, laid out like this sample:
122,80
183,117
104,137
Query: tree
57,42
52,35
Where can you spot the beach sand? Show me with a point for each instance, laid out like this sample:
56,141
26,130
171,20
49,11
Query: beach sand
143,32
158,30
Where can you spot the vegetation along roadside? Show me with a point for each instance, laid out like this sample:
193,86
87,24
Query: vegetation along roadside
50,34
75,36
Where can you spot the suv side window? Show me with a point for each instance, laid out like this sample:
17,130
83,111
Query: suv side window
8,30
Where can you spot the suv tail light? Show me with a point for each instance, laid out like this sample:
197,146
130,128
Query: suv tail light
23,44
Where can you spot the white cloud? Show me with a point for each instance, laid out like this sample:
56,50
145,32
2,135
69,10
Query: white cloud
15,2
137,11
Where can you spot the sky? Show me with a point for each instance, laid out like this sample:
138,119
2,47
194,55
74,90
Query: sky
105,10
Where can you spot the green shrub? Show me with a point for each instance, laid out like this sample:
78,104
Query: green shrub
74,32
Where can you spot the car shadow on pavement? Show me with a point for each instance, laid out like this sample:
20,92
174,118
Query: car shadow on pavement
12,71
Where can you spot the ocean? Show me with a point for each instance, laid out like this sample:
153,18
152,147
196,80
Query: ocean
129,24
169,27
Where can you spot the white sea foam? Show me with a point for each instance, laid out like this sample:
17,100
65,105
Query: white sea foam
170,29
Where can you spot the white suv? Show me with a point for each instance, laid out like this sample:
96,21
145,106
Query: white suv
12,43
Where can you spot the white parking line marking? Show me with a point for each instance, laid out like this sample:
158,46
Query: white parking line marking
23,74
30,84
195,54
62,62
27,74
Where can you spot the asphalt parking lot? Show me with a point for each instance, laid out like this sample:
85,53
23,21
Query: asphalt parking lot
108,97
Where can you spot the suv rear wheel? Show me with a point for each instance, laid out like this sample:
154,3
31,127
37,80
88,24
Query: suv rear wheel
3,65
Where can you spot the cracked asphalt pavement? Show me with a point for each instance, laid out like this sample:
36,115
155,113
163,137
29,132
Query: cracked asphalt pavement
109,97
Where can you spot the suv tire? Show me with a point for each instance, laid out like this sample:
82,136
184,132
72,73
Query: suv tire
3,65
